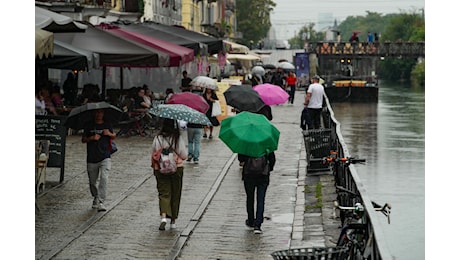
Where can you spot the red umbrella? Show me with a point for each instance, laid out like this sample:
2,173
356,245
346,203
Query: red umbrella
191,100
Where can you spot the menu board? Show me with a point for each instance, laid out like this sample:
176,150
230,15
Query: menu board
52,128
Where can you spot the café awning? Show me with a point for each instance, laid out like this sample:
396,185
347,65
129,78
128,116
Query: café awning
68,57
178,55
55,22
113,51
214,45
43,43
196,46
236,48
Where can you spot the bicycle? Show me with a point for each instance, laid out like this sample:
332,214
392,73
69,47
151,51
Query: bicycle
354,234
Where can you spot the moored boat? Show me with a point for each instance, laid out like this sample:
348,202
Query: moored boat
352,91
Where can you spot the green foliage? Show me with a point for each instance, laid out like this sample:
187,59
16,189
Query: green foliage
405,27
396,68
253,19
417,76
318,195
297,42
373,22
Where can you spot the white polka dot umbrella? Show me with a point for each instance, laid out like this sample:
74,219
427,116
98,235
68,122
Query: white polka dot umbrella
180,112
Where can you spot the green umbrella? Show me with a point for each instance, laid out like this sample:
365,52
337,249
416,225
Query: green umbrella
180,112
249,134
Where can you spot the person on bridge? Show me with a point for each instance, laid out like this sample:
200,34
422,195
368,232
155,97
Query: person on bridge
169,185
314,101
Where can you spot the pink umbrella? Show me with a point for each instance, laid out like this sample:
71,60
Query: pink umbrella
271,94
191,100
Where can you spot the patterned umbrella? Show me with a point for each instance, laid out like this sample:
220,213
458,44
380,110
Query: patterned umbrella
204,82
180,112
271,94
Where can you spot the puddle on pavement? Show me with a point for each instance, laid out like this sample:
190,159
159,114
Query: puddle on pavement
286,218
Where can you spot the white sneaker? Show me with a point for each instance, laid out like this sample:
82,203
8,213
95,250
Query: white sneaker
163,224
173,226
101,207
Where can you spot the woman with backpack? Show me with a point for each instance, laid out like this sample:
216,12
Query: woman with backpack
169,182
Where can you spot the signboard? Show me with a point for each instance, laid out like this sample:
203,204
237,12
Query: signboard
52,128
302,68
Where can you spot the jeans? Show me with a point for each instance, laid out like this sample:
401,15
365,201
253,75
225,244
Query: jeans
291,94
194,141
252,186
95,170
315,114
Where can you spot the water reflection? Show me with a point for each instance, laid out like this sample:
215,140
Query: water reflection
390,135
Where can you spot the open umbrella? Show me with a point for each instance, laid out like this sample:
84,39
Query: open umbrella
243,98
82,115
249,134
286,65
258,70
271,94
190,99
204,82
269,66
180,112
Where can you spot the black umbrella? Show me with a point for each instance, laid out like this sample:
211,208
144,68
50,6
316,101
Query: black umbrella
82,115
243,98
269,66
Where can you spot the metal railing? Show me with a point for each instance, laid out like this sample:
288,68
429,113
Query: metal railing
380,49
350,189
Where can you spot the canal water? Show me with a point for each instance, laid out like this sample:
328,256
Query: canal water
390,135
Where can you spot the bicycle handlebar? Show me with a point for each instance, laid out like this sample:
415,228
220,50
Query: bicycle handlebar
358,208
347,160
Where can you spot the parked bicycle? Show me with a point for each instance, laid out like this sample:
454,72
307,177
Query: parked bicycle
354,234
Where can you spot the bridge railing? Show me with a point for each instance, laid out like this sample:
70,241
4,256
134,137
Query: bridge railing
350,188
382,49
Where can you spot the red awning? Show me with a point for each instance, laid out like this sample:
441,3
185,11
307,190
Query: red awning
178,55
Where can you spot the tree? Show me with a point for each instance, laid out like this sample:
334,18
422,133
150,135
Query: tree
404,27
253,19
306,34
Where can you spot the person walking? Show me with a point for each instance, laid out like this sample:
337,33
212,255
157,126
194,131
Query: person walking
314,101
210,96
98,135
185,82
194,132
256,187
169,185
291,81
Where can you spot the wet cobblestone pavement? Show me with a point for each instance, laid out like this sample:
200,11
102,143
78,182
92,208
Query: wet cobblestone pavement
212,212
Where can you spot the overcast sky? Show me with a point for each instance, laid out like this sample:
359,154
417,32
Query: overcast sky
290,15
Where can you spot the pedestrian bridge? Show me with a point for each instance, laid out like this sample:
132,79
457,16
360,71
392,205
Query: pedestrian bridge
381,49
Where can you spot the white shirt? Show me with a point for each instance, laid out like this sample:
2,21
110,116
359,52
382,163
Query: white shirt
317,93
39,107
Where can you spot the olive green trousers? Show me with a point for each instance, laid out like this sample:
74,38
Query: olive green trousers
169,192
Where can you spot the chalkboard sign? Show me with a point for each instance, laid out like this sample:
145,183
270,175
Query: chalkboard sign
52,128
